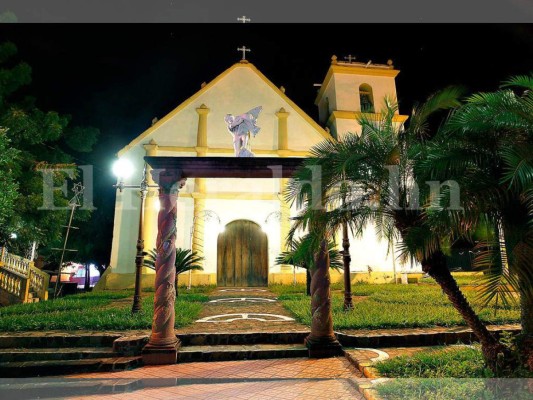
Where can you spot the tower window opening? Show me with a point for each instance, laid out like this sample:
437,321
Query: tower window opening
367,99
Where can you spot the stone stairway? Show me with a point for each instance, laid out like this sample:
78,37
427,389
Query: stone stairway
37,355
241,346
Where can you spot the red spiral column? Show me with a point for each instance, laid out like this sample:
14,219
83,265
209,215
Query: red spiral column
163,345
322,342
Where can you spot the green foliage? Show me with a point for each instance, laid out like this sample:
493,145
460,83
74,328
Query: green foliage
453,389
449,362
8,194
486,146
186,260
302,251
393,306
37,139
94,311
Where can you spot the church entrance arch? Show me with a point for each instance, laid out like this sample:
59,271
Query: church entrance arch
242,255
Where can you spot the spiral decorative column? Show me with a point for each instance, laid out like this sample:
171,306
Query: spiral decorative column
322,342
150,208
162,348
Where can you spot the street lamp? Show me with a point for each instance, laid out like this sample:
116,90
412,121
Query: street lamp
206,215
123,169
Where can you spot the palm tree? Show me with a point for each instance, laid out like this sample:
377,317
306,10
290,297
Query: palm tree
186,260
380,168
300,255
490,153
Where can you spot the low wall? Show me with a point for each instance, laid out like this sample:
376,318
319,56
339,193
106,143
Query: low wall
114,281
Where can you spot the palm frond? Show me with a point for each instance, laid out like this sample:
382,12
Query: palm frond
186,260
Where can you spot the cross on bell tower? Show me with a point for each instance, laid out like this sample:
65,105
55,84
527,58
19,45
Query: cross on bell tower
350,58
243,19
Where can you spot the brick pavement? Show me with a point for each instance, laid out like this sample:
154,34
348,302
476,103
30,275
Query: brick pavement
287,379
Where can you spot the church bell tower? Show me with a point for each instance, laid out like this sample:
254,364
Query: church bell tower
351,88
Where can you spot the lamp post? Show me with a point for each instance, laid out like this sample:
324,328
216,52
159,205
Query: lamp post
124,169
206,215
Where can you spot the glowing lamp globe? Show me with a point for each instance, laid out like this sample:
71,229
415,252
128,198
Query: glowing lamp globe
123,168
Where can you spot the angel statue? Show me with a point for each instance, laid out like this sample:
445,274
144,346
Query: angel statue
240,127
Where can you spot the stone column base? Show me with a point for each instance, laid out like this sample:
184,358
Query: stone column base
160,355
323,347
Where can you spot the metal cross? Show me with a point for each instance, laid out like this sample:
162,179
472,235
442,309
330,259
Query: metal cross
244,19
350,58
244,50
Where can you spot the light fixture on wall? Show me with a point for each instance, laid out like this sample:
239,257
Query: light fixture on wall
270,218
274,215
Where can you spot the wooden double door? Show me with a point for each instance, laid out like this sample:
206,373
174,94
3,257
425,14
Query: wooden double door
242,255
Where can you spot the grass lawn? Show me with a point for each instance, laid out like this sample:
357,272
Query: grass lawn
445,362
432,375
97,311
392,306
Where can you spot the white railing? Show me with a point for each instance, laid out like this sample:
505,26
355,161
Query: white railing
19,277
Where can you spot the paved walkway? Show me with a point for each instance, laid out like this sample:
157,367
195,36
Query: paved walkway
287,379
243,310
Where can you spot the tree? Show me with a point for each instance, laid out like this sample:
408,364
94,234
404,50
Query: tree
8,194
186,260
300,255
41,140
380,168
489,151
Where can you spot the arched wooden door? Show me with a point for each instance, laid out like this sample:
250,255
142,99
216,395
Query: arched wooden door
242,255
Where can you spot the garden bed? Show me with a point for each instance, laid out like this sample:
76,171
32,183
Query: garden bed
97,311
446,373
393,306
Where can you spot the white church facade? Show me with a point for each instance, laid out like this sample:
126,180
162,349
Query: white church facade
213,212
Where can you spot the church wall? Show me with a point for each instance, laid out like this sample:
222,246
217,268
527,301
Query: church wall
328,101
238,92
343,126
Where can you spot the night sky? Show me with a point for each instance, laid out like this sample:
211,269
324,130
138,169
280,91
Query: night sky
118,77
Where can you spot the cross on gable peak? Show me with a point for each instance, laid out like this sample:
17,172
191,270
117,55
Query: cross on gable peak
244,49
244,19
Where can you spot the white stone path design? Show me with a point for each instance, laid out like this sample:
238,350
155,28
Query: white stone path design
246,299
382,356
242,290
246,316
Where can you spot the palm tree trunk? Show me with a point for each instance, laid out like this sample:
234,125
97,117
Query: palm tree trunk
322,341
435,266
526,319
308,282
176,285
346,259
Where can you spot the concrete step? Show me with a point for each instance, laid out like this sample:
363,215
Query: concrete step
59,388
56,340
64,367
241,352
234,338
72,353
